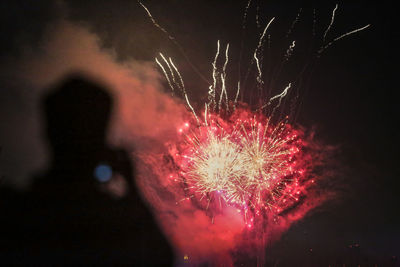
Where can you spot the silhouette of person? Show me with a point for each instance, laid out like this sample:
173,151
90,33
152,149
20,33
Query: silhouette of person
86,208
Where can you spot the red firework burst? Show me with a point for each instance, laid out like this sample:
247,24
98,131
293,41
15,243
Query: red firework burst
244,161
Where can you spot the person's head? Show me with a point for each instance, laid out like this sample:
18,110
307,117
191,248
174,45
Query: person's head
77,114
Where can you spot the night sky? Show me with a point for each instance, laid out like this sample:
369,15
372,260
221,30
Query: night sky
348,98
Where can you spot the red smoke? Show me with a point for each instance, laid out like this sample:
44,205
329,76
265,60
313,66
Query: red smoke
214,231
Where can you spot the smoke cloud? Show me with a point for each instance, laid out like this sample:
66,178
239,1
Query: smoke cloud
142,108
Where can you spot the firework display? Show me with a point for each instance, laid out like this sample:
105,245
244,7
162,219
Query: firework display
230,156
233,156
245,162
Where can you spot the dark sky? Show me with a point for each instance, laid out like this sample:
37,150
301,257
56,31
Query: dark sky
349,99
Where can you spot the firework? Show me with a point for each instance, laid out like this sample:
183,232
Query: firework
228,155
244,161
233,156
